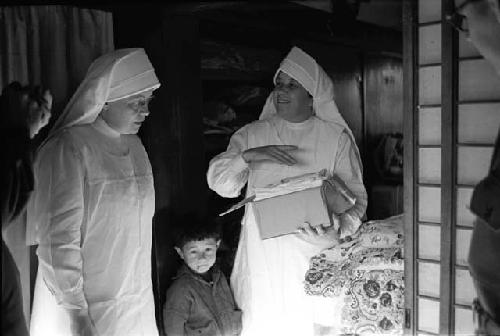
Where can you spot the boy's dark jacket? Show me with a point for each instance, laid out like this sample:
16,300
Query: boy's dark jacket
195,306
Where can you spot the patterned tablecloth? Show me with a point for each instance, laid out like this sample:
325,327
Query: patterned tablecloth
359,284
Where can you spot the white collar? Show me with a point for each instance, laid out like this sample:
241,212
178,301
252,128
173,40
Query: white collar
102,126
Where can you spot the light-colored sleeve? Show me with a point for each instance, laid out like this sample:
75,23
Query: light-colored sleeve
349,169
60,183
228,172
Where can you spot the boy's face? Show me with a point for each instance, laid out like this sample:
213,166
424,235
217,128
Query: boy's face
199,255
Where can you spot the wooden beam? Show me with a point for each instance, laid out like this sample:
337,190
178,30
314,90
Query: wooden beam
410,127
194,7
297,22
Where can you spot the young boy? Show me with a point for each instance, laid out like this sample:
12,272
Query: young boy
199,301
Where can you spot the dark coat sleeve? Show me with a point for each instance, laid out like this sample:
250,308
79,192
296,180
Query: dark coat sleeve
16,175
485,202
16,185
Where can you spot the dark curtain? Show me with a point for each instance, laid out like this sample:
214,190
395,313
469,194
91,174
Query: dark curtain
52,46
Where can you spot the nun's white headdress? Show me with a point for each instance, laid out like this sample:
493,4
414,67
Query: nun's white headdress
113,76
304,69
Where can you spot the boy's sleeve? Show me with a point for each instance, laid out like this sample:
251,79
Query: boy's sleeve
176,310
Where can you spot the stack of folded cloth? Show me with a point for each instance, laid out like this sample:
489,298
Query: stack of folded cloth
291,185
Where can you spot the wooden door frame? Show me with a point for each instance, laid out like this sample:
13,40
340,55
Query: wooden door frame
410,125
449,126
449,92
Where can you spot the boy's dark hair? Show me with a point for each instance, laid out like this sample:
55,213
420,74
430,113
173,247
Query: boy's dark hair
194,228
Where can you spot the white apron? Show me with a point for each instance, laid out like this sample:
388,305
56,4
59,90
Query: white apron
268,275
116,236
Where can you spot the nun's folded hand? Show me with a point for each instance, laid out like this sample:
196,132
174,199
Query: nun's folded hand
281,154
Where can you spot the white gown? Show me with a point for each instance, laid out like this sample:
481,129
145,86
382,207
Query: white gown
268,275
95,216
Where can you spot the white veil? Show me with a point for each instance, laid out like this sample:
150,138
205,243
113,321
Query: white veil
113,76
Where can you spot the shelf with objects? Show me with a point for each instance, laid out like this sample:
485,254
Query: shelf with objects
386,191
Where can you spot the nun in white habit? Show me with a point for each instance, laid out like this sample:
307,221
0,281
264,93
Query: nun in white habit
300,131
93,205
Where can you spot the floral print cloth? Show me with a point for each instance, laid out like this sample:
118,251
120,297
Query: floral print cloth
362,280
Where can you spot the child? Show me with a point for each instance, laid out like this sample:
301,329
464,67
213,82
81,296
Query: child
199,301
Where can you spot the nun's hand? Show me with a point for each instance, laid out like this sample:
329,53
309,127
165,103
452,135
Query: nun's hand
321,234
281,154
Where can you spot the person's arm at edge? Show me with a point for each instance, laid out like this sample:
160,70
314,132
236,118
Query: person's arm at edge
16,173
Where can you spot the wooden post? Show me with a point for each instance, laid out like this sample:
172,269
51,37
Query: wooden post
449,91
173,138
410,125
172,134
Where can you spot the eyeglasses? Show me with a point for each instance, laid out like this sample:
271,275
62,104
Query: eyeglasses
140,103
457,20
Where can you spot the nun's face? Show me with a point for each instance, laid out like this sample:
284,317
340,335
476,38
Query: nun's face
293,103
127,115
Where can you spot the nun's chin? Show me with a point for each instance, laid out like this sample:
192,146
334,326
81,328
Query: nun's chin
293,117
